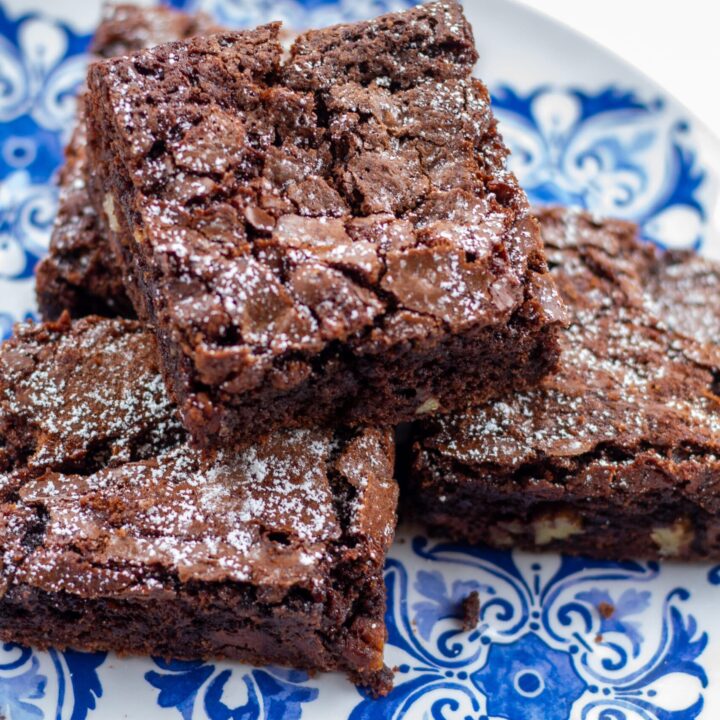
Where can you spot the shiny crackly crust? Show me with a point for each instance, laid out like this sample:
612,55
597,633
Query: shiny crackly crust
272,555
618,454
684,290
314,251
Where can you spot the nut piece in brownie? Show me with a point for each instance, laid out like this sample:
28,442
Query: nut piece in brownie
80,273
618,454
116,534
336,240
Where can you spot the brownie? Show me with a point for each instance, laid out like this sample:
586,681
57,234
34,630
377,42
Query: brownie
334,239
80,274
115,534
618,454
684,290
470,607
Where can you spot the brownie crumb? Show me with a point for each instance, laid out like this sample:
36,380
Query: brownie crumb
606,610
471,611
382,683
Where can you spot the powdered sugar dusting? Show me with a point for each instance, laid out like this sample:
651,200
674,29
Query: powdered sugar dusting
79,399
685,291
626,380
235,189
242,518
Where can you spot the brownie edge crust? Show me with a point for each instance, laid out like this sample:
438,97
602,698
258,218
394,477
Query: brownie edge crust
115,534
335,239
618,454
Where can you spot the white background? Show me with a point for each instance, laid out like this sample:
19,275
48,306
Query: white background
676,43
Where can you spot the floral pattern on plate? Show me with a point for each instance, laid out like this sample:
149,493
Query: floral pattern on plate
556,638
609,152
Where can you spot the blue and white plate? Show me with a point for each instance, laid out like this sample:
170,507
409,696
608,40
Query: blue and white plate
585,129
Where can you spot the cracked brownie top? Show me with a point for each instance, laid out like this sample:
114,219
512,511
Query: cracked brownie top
684,290
93,461
632,387
356,193
59,410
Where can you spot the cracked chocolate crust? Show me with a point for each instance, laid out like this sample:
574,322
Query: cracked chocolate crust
618,454
335,239
115,534
684,290
80,273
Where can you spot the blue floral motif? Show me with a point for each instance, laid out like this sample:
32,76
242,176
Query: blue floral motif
268,693
19,689
714,575
27,211
546,646
82,671
59,685
295,13
29,147
609,152
42,62
41,66
529,679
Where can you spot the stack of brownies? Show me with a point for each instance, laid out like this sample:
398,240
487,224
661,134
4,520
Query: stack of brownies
270,261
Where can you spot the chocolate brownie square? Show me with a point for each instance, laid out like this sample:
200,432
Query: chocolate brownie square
618,454
333,240
80,273
115,534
